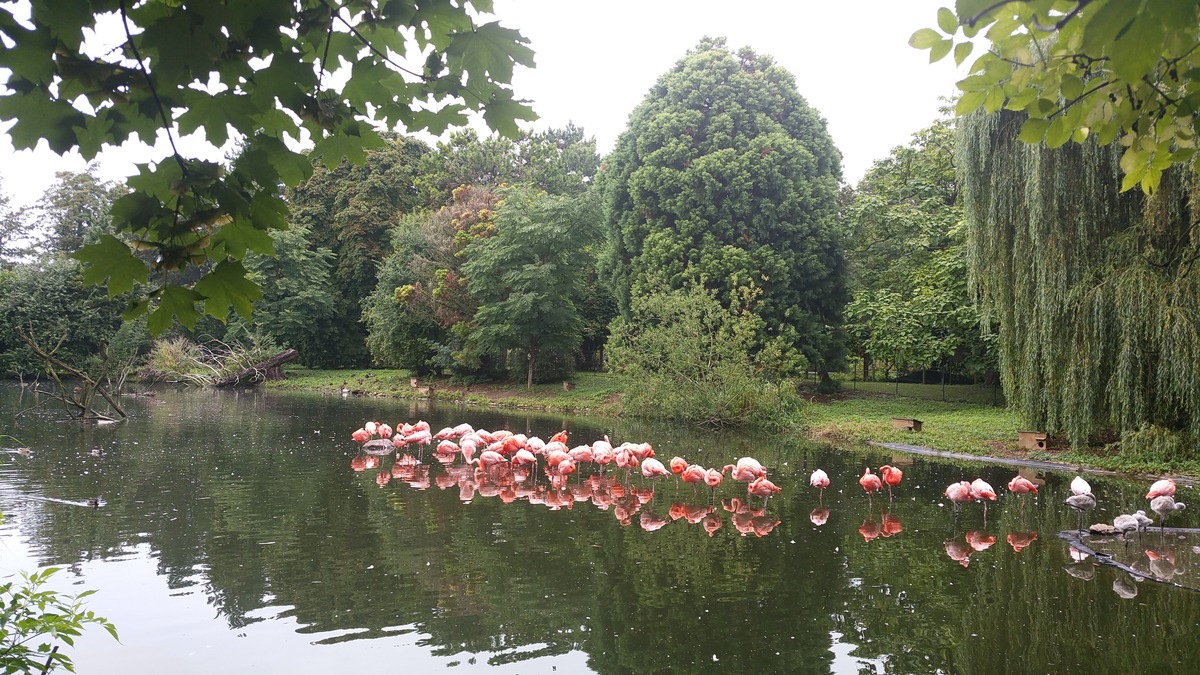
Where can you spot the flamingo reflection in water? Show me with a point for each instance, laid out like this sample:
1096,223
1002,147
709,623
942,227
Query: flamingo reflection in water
712,522
979,540
891,525
819,516
870,529
958,551
651,521
1020,540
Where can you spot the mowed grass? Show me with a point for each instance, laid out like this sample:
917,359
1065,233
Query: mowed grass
970,428
593,393
958,393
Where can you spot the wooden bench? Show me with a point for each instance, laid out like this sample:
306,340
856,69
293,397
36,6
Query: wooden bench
908,423
1032,440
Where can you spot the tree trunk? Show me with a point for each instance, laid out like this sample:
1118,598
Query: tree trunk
529,373
263,370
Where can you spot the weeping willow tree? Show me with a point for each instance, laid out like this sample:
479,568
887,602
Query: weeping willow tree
1095,291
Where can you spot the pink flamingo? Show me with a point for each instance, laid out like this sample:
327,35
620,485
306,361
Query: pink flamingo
713,479
1161,488
870,482
694,474
891,476
959,493
981,491
652,468
763,488
820,480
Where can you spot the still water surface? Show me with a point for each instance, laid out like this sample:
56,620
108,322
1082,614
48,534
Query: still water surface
235,535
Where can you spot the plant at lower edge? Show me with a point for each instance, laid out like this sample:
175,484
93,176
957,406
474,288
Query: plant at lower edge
33,621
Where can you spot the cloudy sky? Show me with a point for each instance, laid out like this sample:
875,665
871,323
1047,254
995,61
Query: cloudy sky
596,60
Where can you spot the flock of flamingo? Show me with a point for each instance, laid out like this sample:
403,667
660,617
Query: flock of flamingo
505,465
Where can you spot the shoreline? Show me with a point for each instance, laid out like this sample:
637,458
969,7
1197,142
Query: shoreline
961,431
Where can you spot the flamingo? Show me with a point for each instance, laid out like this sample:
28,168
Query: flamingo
1161,488
1081,502
1021,485
959,493
1079,486
763,488
870,482
652,468
1164,506
489,458
694,474
384,431
1143,520
361,436
981,490
891,476
746,470
820,480
560,437
524,457
1125,523
713,479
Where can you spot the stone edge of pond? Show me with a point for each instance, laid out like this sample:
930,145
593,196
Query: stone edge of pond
1011,461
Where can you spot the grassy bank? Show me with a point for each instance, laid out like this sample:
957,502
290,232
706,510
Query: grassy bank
592,394
849,418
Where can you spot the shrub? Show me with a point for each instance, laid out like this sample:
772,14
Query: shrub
687,359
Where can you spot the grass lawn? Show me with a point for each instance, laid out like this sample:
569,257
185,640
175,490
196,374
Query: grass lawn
593,393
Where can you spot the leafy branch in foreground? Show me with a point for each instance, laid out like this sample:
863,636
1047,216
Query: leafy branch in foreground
1112,70
257,72
33,621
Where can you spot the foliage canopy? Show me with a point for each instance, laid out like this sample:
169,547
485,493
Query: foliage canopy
260,72
1112,70
726,177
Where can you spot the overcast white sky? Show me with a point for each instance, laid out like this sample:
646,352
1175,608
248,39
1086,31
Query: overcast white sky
596,60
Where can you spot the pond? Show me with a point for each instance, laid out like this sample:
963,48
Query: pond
245,531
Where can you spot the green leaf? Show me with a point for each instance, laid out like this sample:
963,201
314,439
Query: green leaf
924,38
961,51
947,21
503,112
969,102
940,50
1104,25
1138,49
174,301
490,50
109,258
1058,133
226,285
1071,87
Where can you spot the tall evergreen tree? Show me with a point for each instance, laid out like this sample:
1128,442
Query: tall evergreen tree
726,176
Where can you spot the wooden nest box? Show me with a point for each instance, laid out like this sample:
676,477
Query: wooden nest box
908,423
1032,440
414,382
568,386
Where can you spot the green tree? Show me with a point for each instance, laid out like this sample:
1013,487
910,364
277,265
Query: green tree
527,275
1111,70
350,211
49,300
33,620
75,210
297,307
560,161
258,72
907,254
12,246
727,177
688,359
1094,290
419,313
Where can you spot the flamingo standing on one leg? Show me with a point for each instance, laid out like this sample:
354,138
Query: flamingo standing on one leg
959,493
1165,505
678,464
981,490
1081,502
870,482
820,480
713,479
1021,485
694,474
1079,486
891,476
652,468
763,488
